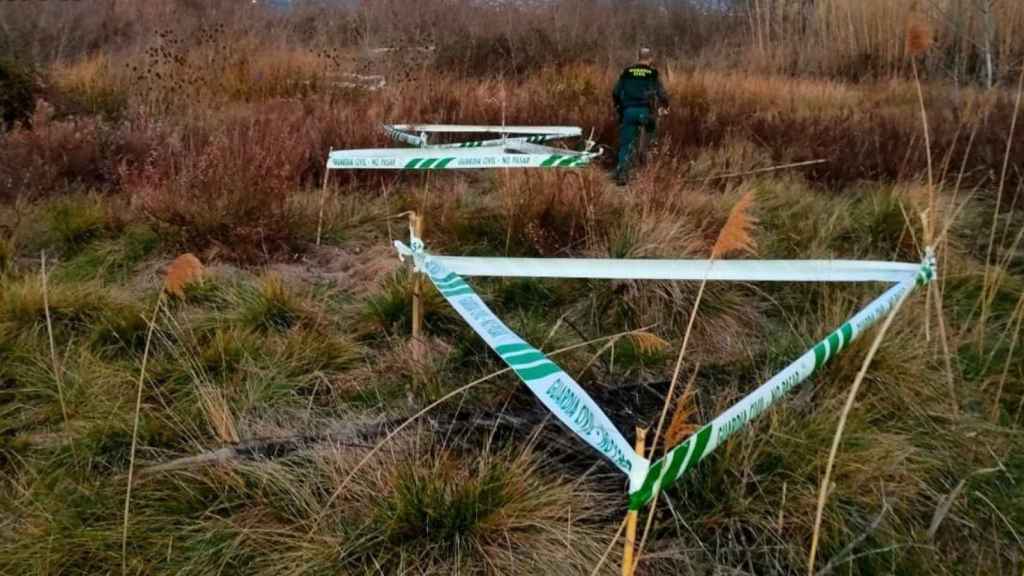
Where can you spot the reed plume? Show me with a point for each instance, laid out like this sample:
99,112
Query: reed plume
185,270
920,35
648,343
735,235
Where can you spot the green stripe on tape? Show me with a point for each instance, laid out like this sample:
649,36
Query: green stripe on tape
524,358
444,162
540,371
637,500
847,331
451,290
551,160
832,345
703,438
520,353
835,342
675,468
446,279
820,355
646,492
456,283
412,163
426,164
504,349
568,161
457,292
678,465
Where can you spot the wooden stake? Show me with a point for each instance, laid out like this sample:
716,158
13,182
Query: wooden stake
631,517
323,197
416,226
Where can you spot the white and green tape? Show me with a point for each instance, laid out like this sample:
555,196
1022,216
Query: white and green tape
418,134
571,404
517,147
696,270
455,158
562,395
684,457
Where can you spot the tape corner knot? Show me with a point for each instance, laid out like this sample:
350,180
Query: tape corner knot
930,264
415,252
638,474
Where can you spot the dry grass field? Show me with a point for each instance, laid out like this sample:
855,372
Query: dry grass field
236,402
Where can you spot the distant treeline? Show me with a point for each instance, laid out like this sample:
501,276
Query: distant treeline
977,41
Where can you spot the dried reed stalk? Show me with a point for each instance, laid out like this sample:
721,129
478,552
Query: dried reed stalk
735,236
824,489
185,269
58,373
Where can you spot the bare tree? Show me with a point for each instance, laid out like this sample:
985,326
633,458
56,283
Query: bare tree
987,19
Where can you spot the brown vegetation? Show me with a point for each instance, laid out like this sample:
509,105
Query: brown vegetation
179,125
221,171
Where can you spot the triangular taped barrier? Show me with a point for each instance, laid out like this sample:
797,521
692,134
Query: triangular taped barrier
564,397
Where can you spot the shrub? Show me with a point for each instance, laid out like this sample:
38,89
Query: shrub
510,54
444,508
17,95
7,254
61,156
390,310
93,85
273,308
75,309
74,221
226,180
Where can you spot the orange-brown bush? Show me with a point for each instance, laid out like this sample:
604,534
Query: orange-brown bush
225,180
55,156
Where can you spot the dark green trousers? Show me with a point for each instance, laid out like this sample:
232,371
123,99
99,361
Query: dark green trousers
632,121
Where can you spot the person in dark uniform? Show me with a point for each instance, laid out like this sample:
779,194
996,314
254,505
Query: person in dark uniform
639,98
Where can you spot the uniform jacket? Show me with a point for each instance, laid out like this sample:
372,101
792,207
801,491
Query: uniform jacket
639,86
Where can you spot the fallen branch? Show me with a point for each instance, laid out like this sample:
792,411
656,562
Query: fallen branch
283,446
758,171
946,503
366,458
